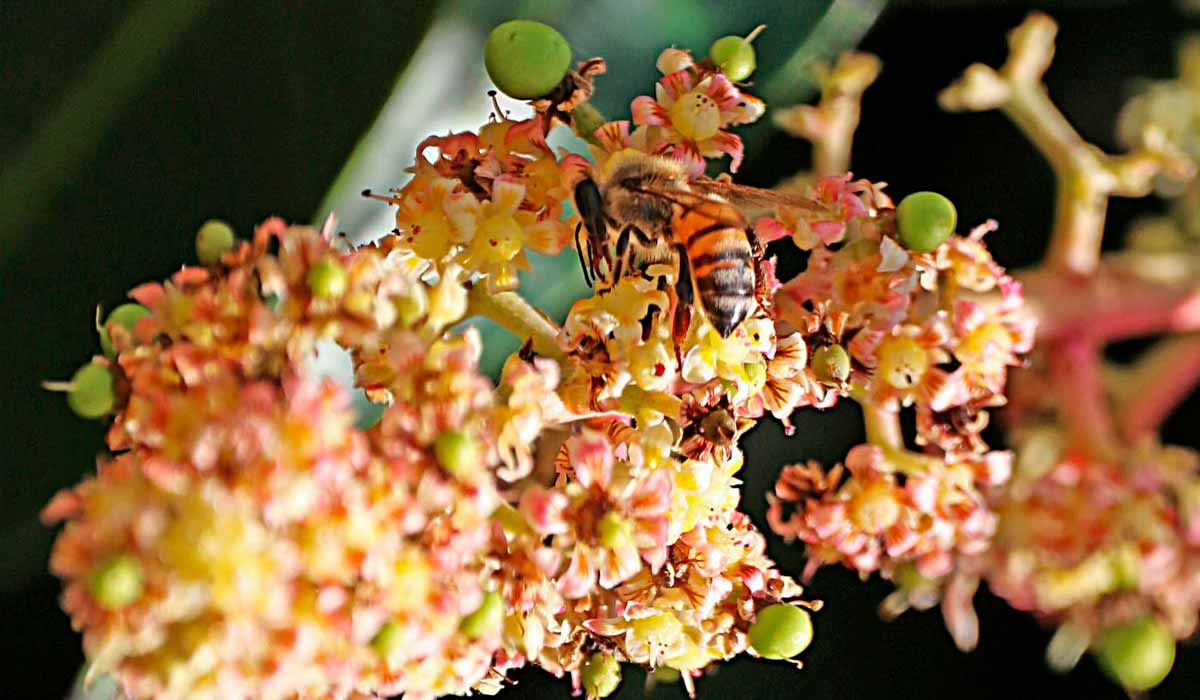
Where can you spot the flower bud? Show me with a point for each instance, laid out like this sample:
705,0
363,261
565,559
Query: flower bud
91,392
526,59
127,315
389,640
781,631
327,279
458,453
831,364
735,56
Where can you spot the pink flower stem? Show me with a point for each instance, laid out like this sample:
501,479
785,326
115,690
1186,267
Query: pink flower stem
1111,305
1162,378
1082,403
883,430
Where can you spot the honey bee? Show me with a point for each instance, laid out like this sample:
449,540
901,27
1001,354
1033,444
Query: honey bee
659,216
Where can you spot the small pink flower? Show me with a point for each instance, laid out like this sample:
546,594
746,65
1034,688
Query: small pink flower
694,108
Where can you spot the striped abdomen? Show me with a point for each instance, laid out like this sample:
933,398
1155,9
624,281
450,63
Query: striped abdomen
722,267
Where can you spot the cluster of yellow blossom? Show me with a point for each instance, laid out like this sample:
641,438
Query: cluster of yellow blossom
246,539
476,202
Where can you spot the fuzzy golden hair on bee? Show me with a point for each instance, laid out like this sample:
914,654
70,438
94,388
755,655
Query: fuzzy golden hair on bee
626,182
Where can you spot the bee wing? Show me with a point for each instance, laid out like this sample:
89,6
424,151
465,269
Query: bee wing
752,197
719,210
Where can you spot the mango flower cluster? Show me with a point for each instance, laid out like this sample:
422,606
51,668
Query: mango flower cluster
623,543
1095,545
1092,527
912,335
1097,532
246,538
250,532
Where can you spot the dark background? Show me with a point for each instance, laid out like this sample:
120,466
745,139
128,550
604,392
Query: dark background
251,110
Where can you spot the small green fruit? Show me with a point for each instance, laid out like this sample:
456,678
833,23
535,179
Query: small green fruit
831,364
735,56
389,639
327,279
600,676
1138,654
91,392
926,220
127,315
781,631
117,582
458,453
486,619
214,239
526,59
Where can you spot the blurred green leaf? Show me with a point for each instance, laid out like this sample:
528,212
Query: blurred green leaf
116,74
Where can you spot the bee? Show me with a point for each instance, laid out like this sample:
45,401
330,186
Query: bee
660,216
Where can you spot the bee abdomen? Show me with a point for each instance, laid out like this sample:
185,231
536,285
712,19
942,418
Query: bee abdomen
724,276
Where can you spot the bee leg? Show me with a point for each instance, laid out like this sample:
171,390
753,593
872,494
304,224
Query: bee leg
647,242
583,264
622,253
644,239
681,318
759,253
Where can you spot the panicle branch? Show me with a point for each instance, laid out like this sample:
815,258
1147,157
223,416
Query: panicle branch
1086,176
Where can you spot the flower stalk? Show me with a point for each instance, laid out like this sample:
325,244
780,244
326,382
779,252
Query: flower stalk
510,311
1086,177
1158,382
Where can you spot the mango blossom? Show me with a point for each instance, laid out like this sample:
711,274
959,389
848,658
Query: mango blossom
691,109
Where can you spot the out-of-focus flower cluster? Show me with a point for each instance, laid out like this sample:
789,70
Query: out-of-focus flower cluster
1092,527
245,538
1090,545
1098,528
1169,111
